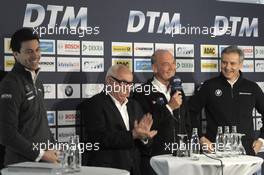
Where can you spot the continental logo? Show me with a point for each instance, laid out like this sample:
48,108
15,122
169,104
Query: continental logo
209,65
143,48
209,51
121,49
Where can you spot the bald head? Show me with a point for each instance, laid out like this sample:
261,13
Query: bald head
163,66
159,54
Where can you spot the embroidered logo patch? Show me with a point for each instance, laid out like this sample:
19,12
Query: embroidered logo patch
218,92
6,96
245,93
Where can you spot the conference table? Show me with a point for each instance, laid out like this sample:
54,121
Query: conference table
85,170
202,165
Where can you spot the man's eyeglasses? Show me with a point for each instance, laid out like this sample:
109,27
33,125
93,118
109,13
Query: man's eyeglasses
124,82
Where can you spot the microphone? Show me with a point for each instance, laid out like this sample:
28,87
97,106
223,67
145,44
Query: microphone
175,84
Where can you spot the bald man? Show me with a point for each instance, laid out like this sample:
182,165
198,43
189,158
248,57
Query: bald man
115,123
170,116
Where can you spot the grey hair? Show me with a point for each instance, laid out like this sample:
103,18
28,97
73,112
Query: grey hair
233,49
113,70
156,53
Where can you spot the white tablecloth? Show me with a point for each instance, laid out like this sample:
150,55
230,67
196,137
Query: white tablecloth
169,165
84,171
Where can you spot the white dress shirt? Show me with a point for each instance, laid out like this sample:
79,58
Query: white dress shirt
164,90
122,108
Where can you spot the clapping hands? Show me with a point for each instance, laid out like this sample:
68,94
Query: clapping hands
142,129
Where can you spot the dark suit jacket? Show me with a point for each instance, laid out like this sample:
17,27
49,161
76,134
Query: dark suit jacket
2,148
103,124
163,121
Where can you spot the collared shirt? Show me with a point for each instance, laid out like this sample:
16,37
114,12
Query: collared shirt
232,82
122,108
34,74
164,90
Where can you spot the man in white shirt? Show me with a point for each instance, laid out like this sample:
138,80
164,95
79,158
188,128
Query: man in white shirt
170,116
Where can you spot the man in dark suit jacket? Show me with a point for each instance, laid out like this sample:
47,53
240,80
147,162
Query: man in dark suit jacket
170,116
111,120
2,148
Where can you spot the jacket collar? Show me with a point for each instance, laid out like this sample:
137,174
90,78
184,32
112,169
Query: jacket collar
239,80
19,68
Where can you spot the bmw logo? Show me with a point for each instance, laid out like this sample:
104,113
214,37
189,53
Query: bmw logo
218,92
68,90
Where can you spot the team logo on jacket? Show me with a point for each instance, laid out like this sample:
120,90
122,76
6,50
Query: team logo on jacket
218,92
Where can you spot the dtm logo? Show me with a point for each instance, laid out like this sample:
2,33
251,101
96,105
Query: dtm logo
137,20
38,10
246,29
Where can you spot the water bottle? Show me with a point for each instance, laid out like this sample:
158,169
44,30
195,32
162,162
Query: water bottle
70,156
227,142
219,140
195,145
234,140
78,156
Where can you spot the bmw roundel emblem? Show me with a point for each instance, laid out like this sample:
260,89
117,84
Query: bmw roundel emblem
68,90
218,92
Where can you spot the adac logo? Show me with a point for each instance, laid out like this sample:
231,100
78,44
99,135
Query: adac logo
126,63
68,91
218,92
209,51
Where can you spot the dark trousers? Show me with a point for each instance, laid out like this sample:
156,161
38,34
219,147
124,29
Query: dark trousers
2,155
145,166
